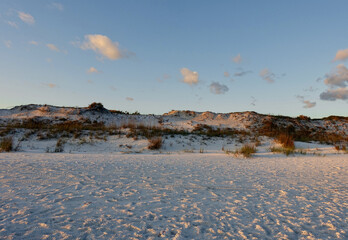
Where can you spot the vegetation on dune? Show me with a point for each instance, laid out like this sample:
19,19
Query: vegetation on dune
6,144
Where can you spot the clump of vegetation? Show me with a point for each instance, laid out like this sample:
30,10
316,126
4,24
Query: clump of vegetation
246,150
59,145
286,151
6,144
286,141
155,143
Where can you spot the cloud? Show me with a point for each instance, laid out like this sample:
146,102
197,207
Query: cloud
12,24
253,101
226,74
338,78
311,89
8,43
307,104
241,73
129,99
26,17
50,85
58,6
113,88
52,47
34,43
335,94
267,75
104,46
237,59
93,70
217,88
190,77
341,55
163,78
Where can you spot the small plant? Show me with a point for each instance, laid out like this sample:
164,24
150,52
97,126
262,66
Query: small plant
286,141
155,143
201,150
6,144
247,150
286,151
59,145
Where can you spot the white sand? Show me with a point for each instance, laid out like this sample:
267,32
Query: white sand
177,196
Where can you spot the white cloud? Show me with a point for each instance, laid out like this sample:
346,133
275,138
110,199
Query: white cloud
226,74
237,59
335,94
129,99
339,77
267,75
341,55
190,77
217,88
52,47
58,6
93,70
104,46
12,24
26,17
8,43
307,104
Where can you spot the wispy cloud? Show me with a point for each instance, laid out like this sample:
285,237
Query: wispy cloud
311,89
341,55
57,6
113,88
237,59
93,70
217,88
163,78
129,99
253,101
8,43
226,74
189,77
12,24
50,85
26,17
104,46
267,75
241,72
307,103
33,43
52,47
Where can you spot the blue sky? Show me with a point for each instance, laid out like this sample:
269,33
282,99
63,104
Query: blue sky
278,57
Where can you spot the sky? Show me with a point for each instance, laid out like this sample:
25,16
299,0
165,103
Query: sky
273,57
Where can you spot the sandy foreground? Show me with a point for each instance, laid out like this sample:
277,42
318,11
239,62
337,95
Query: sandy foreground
172,196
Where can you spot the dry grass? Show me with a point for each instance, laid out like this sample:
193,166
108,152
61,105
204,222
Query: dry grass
286,141
6,144
155,143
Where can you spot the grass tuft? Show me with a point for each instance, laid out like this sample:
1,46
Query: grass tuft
155,143
6,144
